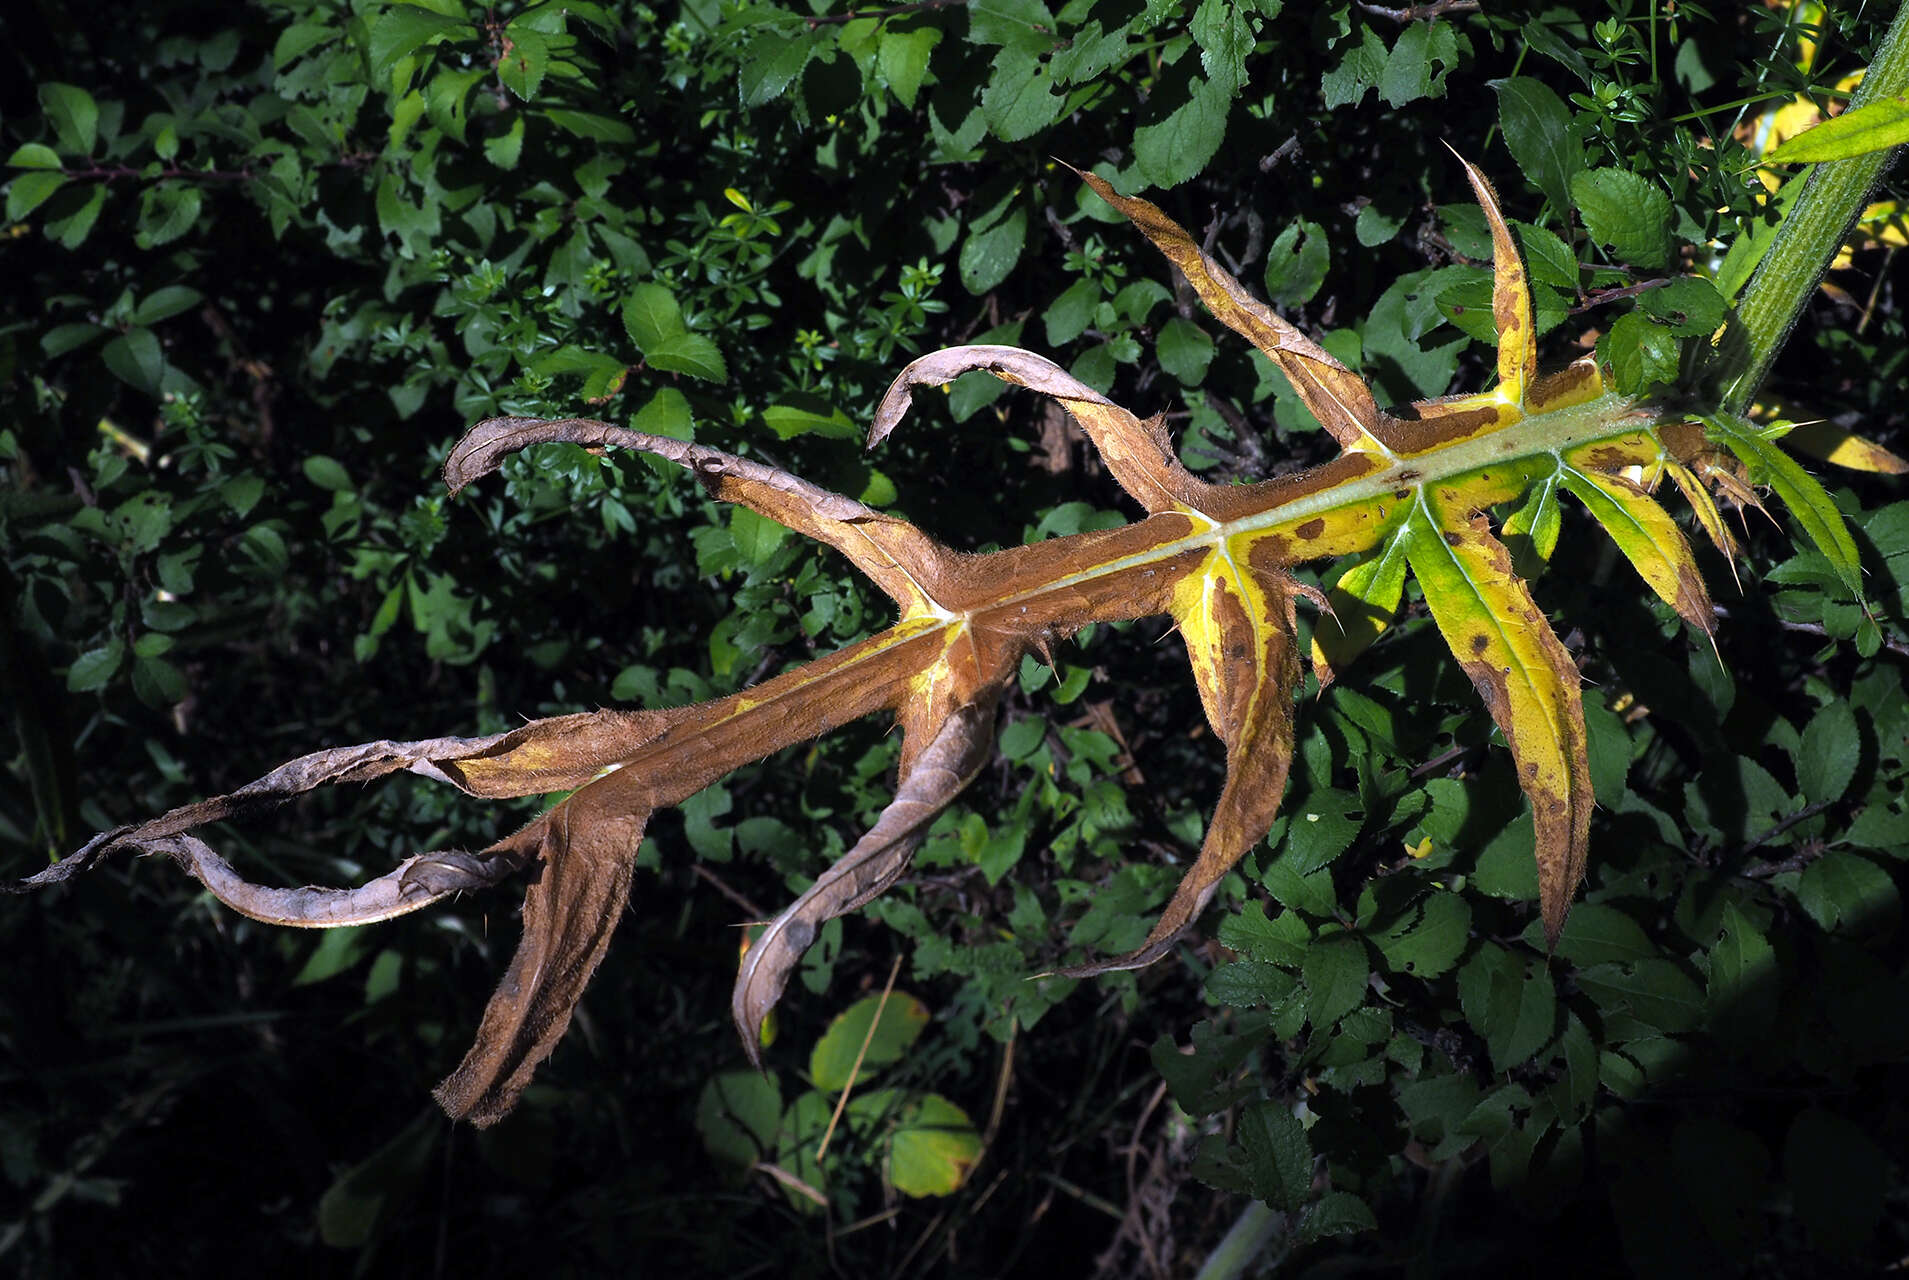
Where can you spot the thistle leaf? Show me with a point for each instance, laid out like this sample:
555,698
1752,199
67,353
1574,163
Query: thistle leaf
938,773
1810,505
1239,630
1535,526
1363,603
586,853
1404,493
1649,539
1528,683
1510,297
1842,448
899,558
1337,396
1138,453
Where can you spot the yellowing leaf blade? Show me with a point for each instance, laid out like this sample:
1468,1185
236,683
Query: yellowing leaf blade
1510,297
1338,397
1362,604
1649,539
1527,681
1238,627
1846,449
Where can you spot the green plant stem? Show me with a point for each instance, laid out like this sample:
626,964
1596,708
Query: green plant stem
1833,195
1243,1243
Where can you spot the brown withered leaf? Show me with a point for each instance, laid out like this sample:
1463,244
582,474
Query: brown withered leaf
1415,483
937,774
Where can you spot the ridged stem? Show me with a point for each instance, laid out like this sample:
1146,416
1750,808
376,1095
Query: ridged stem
1832,197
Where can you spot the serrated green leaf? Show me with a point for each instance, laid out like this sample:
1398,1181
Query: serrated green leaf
71,231
327,473
1409,73
34,155
136,359
1336,973
1626,214
1831,749
1689,306
295,41
95,668
165,303
1278,1154
1597,934
1250,983
1642,356
772,60
402,29
1338,1213
756,536
30,190
1537,128
158,683
1069,315
1225,37
1429,939
989,254
73,114
166,212
1280,940
1654,990
1358,71
1847,892
689,353
1320,829
789,421
651,316
1549,258
504,150
903,59
594,127
1510,1002
1172,151
523,61
1745,982
1020,100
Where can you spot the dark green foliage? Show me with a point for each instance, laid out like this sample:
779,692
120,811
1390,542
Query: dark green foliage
267,263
